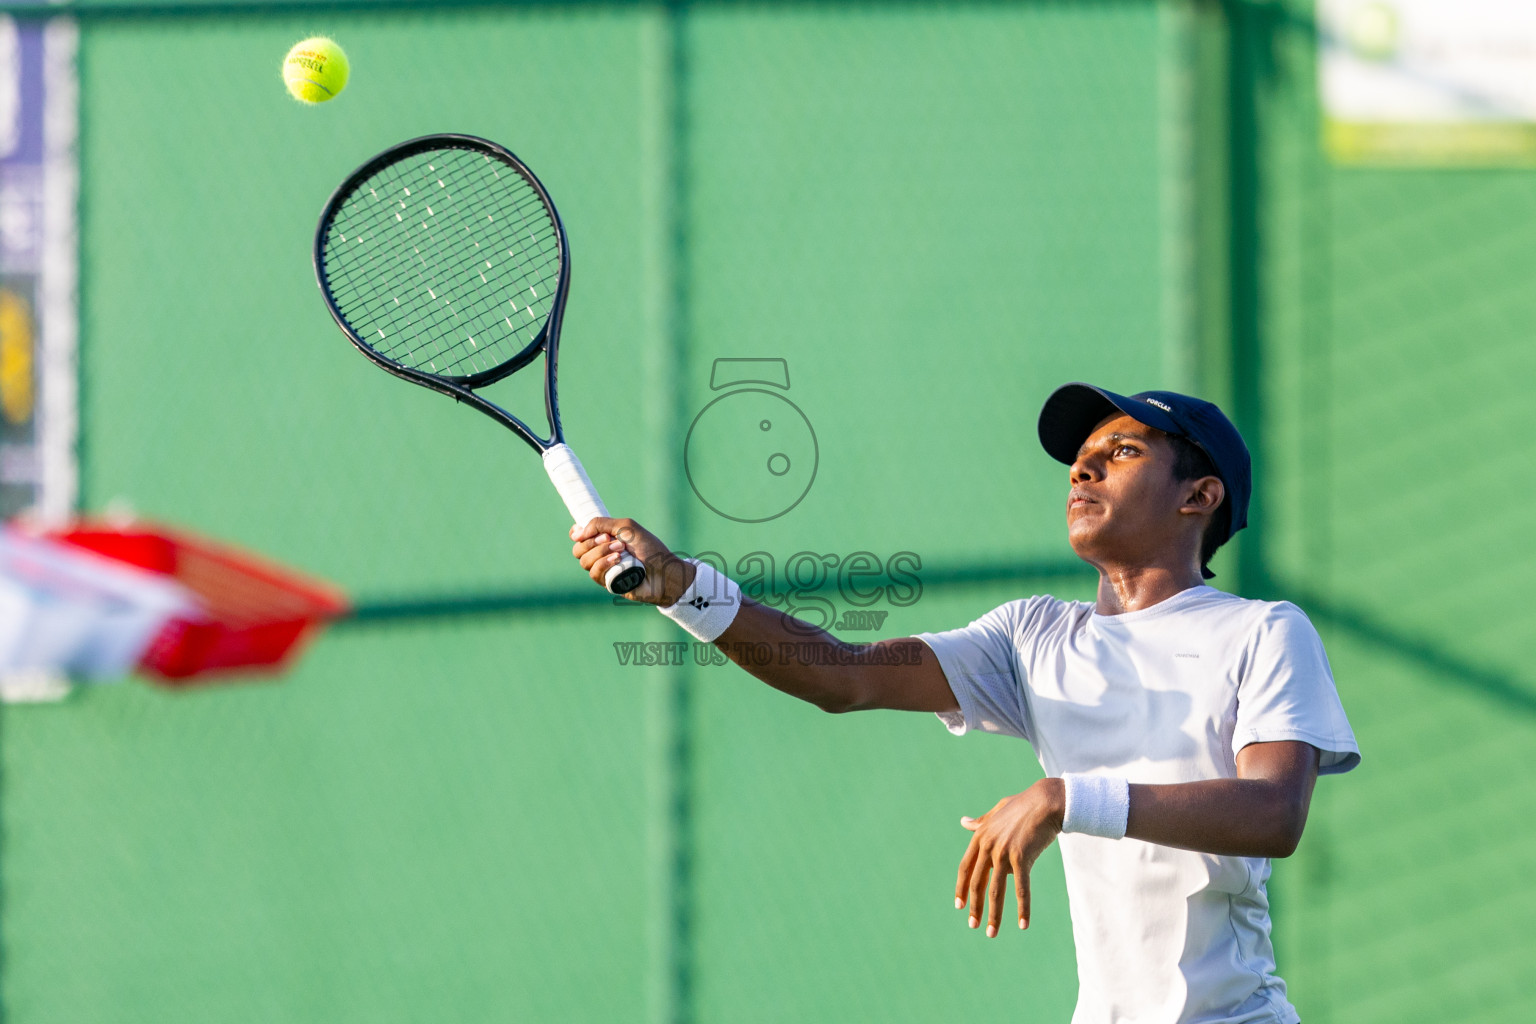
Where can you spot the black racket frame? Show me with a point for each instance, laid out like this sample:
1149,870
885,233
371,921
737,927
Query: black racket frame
461,388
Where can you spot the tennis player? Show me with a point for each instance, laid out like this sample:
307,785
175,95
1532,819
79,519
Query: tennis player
1181,728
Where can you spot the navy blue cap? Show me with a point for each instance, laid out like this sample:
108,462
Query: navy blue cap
1073,410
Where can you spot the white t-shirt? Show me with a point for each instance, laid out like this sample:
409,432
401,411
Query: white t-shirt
1165,694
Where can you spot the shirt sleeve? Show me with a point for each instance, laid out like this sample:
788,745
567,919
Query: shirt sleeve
1288,692
981,663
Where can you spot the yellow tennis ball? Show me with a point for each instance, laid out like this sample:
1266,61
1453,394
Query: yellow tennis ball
315,70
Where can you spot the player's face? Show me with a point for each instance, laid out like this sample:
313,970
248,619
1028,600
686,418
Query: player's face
1122,507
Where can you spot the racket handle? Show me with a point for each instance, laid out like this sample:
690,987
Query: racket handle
580,497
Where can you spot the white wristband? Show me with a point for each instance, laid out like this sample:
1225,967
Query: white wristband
1097,805
709,605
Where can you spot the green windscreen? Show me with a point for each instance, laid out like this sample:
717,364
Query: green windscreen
889,231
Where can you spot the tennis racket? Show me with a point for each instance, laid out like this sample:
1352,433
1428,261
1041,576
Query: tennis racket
445,263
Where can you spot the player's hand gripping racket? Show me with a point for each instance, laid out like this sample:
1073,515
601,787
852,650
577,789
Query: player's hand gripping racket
444,261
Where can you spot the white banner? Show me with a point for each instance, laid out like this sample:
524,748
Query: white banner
1428,82
38,267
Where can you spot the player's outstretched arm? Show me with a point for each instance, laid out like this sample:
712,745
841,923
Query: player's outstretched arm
901,674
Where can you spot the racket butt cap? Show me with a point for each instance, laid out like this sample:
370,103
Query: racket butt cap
624,577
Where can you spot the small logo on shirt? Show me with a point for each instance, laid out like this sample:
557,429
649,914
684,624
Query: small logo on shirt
1195,656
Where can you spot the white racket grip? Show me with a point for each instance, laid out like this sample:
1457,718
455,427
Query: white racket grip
570,479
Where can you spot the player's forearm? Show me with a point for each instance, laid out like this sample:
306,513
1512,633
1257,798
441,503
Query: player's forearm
804,661
788,654
1231,817
784,652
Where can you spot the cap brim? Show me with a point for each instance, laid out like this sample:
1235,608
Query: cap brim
1073,410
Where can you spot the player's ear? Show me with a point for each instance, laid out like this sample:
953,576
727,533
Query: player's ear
1203,496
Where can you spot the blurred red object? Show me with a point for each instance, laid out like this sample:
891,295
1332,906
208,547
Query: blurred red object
252,614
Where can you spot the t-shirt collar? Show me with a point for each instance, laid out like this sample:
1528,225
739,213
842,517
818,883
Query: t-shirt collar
1168,604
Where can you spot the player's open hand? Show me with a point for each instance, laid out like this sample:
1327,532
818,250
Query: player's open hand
600,542
1006,840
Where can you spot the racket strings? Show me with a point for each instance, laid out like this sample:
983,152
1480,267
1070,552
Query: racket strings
430,277
351,273
405,324
487,292
445,261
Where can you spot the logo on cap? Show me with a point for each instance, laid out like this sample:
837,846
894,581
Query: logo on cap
1161,405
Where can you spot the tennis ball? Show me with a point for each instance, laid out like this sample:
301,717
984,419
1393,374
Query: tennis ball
315,70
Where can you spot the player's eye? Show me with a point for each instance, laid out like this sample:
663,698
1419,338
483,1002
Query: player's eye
1123,449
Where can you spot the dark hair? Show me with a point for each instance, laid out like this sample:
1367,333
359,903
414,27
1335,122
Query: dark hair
1191,463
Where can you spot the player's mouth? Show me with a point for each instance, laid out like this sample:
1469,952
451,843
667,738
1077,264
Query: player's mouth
1077,499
